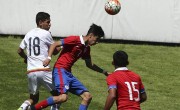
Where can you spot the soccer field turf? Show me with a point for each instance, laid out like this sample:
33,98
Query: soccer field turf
158,67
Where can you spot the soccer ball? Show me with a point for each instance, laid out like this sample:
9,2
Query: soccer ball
112,7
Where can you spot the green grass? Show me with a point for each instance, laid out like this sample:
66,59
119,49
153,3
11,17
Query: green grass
158,67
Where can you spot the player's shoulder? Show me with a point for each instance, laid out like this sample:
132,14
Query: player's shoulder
112,74
73,37
112,77
43,31
123,72
38,31
134,74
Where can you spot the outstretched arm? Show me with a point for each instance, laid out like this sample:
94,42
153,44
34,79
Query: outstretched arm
21,53
94,67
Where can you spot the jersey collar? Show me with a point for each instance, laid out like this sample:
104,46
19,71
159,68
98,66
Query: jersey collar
121,68
81,39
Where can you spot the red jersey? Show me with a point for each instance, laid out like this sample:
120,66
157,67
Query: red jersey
129,86
73,49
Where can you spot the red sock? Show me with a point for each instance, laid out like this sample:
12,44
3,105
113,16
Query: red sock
42,104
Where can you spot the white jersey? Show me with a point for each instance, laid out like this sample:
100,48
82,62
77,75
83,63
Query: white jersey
37,43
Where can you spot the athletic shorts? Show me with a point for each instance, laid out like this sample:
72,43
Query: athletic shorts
65,82
38,79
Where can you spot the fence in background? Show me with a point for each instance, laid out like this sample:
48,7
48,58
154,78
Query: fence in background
139,20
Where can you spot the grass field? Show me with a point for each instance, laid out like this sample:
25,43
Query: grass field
159,67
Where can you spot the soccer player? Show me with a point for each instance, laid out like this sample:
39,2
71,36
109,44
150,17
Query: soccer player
73,48
124,85
37,42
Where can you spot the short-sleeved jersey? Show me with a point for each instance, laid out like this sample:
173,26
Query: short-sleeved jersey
129,86
37,43
73,48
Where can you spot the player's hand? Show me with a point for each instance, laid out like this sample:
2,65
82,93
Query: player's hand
46,62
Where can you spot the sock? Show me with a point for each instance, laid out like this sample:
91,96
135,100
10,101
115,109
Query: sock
45,103
25,105
83,107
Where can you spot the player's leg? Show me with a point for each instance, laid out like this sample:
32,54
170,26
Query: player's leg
86,99
25,105
60,81
34,98
79,89
49,85
33,87
55,106
31,101
49,101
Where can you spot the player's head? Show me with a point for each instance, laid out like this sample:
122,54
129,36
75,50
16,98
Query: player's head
95,32
120,59
43,20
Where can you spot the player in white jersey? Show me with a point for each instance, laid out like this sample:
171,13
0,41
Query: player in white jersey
37,43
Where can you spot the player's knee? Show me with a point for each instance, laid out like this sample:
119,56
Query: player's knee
61,98
87,97
64,97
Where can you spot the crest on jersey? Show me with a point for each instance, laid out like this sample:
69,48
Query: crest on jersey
67,87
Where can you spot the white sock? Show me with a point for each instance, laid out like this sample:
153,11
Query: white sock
25,105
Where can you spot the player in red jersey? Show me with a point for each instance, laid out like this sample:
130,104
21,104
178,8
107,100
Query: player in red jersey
73,48
124,86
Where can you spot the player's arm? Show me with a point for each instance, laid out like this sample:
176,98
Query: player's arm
110,99
143,97
21,53
56,50
51,50
94,67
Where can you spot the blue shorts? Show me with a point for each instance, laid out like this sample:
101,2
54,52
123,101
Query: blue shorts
65,82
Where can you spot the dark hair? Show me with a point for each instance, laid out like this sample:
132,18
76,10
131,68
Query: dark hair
42,16
120,59
96,30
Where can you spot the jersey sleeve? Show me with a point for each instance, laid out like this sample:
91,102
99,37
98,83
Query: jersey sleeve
111,82
48,39
71,40
142,89
23,44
